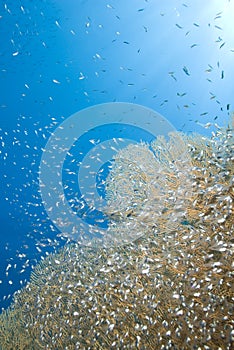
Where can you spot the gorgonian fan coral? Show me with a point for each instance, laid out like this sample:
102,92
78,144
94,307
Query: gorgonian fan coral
172,288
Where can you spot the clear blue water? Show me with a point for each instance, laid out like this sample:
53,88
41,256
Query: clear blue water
59,57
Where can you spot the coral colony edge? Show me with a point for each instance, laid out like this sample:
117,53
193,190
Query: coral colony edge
171,288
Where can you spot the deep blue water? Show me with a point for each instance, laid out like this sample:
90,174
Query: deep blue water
59,57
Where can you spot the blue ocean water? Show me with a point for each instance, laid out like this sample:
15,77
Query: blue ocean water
59,57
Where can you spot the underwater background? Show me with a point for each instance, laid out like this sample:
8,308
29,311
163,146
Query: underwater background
60,57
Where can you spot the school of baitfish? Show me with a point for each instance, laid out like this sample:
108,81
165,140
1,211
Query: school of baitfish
171,288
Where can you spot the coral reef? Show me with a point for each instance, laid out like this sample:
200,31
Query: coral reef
171,288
